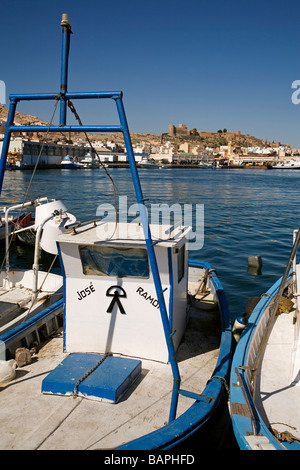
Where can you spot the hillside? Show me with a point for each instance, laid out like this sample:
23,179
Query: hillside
21,119
214,140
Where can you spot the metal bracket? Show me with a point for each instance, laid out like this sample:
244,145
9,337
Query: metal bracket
195,396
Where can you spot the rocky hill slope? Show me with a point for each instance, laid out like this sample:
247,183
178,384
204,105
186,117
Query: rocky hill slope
214,141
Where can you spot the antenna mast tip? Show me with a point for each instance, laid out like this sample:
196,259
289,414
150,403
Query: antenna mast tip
65,20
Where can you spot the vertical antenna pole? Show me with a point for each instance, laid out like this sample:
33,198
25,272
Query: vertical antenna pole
66,31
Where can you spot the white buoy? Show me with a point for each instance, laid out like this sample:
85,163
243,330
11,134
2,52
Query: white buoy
42,211
53,228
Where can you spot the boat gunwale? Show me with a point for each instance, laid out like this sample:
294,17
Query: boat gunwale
243,424
21,331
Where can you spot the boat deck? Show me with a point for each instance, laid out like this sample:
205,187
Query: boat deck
280,395
32,420
11,305
16,304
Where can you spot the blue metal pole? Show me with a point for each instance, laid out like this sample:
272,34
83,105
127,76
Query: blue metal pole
5,147
33,96
69,95
64,67
152,259
75,128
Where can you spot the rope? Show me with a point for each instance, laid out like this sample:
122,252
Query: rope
285,436
89,372
53,261
223,380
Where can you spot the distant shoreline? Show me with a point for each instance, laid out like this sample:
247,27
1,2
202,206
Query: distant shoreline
126,165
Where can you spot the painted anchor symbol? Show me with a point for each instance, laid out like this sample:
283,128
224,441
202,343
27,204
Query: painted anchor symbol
119,292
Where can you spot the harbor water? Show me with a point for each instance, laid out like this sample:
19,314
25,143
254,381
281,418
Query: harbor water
246,213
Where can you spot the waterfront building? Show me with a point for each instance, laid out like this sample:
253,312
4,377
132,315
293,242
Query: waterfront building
51,154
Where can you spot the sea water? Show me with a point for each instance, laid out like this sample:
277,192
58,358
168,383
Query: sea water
246,212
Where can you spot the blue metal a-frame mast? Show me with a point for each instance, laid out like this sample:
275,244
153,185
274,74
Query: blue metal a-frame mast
64,96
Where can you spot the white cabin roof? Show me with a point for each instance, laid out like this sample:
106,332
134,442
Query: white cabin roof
124,234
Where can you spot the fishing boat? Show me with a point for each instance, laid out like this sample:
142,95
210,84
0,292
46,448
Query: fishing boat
89,161
205,165
138,363
14,163
68,163
264,382
12,221
28,293
148,163
290,165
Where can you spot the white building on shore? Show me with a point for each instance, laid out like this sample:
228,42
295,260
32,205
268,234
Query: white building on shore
50,155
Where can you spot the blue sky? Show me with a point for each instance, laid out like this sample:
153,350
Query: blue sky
208,64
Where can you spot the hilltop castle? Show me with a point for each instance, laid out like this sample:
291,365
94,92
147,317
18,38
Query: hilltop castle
182,130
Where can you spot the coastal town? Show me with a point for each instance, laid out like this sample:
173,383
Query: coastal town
178,147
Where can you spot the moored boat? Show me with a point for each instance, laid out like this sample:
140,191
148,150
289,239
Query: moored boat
204,164
90,162
129,411
148,163
26,293
264,383
68,163
13,221
148,365
290,165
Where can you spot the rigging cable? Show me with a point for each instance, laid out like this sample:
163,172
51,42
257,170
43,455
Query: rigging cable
31,179
72,108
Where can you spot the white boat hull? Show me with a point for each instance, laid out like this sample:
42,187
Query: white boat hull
265,398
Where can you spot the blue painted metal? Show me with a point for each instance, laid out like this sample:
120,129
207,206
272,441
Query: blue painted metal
69,96
202,410
66,31
65,129
29,325
64,293
244,425
171,281
109,381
